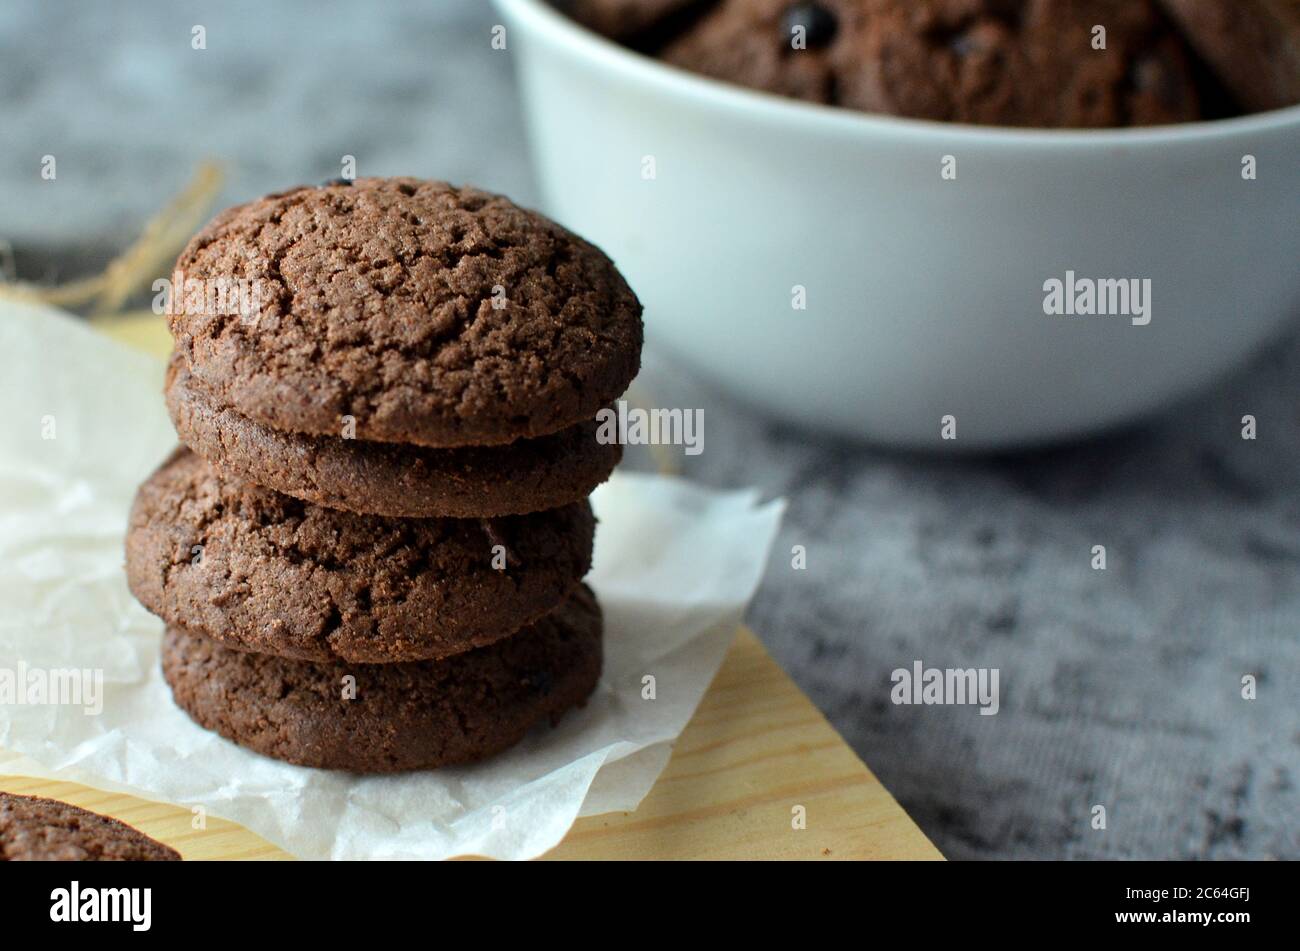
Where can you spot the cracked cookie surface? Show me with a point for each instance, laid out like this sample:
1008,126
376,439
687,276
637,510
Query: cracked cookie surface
265,572
428,314
396,716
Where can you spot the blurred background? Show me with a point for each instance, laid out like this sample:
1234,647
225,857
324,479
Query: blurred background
1119,687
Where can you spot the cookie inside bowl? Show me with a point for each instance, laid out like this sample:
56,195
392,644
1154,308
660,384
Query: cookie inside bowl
871,274
1019,63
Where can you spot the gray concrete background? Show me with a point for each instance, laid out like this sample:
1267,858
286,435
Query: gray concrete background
1119,688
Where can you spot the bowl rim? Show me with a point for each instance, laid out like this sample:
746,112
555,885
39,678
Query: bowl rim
544,19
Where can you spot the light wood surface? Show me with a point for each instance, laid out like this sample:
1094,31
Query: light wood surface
755,758
755,749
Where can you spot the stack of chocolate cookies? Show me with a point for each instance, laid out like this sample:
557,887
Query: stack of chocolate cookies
369,553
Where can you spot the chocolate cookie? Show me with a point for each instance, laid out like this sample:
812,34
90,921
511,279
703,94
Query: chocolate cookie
398,716
1252,45
429,314
1001,62
35,829
389,479
623,19
265,572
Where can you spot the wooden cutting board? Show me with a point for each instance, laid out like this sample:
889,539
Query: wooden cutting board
756,755
754,751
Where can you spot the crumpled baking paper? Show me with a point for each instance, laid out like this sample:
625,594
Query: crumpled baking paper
82,423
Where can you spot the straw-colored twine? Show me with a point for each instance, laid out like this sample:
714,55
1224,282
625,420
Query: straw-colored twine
149,256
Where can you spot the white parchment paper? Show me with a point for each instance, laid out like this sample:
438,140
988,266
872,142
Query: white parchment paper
82,423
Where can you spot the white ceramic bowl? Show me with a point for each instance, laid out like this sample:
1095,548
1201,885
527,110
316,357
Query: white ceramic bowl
924,296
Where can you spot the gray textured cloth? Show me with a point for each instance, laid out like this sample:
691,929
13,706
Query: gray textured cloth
1119,688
